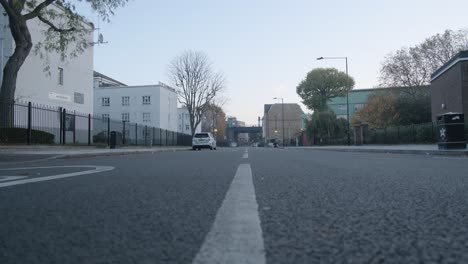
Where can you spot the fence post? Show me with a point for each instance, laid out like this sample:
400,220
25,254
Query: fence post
89,129
153,139
29,123
136,134
64,128
123,133
160,136
166,137
74,126
146,135
108,131
432,132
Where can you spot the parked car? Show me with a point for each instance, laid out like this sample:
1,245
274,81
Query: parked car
203,140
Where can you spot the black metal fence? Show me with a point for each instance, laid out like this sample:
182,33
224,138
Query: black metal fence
26,123
410,134
425,133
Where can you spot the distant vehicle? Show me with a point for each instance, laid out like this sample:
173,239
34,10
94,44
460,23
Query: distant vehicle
271,144
203,140
233,145
261,144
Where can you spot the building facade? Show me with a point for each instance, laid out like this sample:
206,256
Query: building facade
68,84
449,87
274,125
183,122
358,98
149,105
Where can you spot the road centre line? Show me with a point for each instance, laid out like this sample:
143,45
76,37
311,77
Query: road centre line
236,234
96,169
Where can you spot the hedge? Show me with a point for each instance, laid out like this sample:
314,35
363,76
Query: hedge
20,136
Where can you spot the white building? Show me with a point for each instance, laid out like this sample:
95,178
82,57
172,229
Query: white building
147,105
183,125
68,84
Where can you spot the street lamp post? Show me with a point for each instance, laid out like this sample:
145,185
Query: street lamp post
347,92
282,113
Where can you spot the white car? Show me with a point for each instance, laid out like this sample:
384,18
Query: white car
203,140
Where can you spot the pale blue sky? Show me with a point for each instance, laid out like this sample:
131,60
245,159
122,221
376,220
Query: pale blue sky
265,48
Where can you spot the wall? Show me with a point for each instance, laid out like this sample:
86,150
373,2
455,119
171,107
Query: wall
446,89
163,107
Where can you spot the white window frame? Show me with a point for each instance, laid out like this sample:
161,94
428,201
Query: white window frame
146,117
60,76
126,117
105,117
105,101
146,99
125,100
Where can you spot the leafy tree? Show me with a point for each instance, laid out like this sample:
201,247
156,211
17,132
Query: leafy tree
66,34
326,125
197,85
320,85
413,110
379,111
413,66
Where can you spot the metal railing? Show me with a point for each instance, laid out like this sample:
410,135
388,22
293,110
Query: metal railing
425,133
26,123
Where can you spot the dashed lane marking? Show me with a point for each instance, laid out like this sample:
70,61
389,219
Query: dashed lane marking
93,169
236,234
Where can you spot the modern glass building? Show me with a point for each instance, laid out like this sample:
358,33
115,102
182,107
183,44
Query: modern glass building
357,99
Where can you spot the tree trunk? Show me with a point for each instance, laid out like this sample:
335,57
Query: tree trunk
23,45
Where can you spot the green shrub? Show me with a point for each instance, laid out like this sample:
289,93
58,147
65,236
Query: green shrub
20,136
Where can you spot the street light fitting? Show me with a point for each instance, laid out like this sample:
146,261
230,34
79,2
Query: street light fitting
320,58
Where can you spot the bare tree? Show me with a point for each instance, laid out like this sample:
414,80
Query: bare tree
64,29
412,67
196,83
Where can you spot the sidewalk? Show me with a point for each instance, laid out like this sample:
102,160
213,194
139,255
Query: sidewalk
82,151
424,149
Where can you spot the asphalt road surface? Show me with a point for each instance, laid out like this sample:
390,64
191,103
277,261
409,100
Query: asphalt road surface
237,205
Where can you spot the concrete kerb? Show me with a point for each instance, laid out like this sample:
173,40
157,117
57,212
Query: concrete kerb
119,153
453,153
84,153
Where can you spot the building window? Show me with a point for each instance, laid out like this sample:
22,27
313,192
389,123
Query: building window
105,117
342,107
146,100
105,101
146,133
146,117
358,106
187,127
126,117
60,76
125,100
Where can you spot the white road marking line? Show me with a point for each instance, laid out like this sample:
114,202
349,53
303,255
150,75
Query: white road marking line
246,150
95,169
236,234
245,156
10,178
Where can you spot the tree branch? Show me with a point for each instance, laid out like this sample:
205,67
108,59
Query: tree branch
54,27
8,9
36,11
